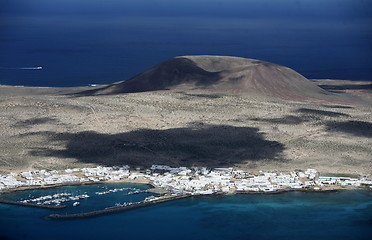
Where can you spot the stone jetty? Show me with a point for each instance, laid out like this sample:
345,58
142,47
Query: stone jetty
32,204
144,203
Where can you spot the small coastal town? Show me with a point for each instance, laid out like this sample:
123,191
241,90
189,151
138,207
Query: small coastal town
185,181
167,184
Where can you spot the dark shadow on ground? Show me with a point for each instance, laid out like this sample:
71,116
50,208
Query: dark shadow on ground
289,119
321,112
189,96
195,146
307,115
336,106
34,121
356,128
89,92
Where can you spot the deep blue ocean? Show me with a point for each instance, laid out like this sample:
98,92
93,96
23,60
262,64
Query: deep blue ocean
294,215
80,42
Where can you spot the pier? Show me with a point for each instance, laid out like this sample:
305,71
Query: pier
118,209
32,204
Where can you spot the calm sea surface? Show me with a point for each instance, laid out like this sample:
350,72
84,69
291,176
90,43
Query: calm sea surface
296,215
79,42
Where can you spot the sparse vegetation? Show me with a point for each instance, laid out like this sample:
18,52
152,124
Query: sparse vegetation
149,127
55,128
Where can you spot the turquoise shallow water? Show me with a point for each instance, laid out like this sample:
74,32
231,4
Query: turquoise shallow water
295,215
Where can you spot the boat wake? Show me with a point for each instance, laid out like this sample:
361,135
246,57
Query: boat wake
23,68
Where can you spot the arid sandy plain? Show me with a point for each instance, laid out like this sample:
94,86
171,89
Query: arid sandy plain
45,128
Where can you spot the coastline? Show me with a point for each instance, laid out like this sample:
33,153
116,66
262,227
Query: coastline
153,189
25,188
172,183
164,197
327,189
146,182
330,188
311,181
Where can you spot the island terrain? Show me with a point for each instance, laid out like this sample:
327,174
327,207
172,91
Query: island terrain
192,111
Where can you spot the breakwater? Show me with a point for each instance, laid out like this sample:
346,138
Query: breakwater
117,209
32,204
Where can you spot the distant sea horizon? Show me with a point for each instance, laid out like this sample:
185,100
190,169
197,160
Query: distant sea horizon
78,43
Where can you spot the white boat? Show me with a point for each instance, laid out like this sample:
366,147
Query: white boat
75,204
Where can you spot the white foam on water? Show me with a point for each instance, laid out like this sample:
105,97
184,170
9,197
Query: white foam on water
23,68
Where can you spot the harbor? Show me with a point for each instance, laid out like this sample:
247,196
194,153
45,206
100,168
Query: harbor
120,208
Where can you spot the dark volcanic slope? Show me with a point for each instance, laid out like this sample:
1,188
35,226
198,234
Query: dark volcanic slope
222,74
